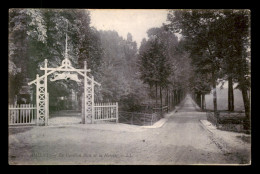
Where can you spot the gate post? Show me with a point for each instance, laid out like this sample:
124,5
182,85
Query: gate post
88,96
92,100
85,92
116,112
37,100
41,100
83,109
48,110
46,95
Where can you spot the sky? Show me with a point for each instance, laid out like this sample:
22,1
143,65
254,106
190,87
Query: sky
135,21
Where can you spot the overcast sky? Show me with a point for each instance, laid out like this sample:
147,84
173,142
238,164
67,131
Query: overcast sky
136,21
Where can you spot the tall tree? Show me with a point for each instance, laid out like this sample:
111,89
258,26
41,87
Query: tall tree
198,29
38,34
27,29
221,40
234,26
154,59
119,72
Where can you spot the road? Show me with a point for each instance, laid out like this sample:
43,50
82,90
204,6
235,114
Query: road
181,140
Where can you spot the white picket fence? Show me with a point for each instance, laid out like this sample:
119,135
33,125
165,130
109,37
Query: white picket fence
106,111
24,114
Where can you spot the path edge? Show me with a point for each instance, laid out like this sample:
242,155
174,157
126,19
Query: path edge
162,121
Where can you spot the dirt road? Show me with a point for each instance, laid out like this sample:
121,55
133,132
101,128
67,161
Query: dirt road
181,140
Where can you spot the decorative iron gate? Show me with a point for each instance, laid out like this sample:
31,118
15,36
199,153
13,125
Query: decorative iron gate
67,70
41,89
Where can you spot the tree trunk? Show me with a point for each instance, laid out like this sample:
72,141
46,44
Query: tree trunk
230,94
203,101
179,96
196,98
161,95
246,102
169,99
246,106
175,96
242,82
156,93
151,93
166,97
173,99
214,93
199,99
169,104
161,101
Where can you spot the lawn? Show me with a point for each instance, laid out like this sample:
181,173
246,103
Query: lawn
222,100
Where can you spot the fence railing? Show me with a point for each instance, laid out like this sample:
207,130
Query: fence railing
136,118
161,109
106,111
24,114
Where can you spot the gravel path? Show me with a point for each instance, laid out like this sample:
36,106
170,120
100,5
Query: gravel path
181,140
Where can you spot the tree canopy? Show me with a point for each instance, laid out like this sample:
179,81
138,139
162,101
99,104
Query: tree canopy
218,44
38,34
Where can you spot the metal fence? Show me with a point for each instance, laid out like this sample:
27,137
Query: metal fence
149,116
137,118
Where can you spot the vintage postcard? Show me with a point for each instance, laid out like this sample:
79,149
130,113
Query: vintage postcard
129,87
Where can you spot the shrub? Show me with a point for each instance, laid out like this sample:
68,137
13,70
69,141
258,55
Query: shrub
130,103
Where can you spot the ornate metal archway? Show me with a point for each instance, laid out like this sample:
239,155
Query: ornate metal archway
42,92
66,68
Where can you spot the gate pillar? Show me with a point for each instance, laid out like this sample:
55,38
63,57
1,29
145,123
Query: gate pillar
41,100
88,97
88,101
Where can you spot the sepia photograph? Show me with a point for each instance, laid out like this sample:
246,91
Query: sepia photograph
129,86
